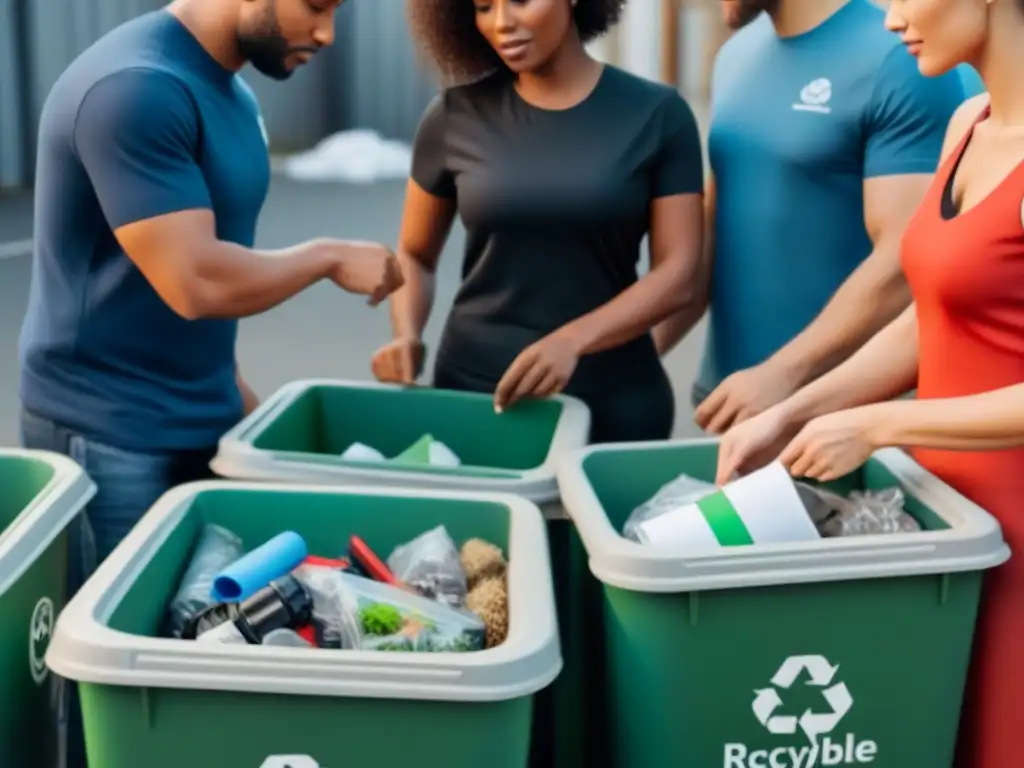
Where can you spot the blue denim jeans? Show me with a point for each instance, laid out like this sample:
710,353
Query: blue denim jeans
127,485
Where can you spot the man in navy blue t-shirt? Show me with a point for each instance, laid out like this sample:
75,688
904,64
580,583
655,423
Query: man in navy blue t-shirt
152,171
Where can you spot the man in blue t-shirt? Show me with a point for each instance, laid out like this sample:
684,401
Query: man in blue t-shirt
152,171
824,138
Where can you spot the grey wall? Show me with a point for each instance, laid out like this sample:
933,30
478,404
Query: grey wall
384,87
56,31
369,79
12,142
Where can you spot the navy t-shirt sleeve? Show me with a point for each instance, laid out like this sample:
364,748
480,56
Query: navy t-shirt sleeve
136,134
429,152
907,117
679,165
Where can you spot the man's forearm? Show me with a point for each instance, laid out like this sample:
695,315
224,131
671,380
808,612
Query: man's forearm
412,303
871,298
884,368
230,281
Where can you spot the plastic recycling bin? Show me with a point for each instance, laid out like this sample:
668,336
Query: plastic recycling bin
838,652
40,494
299,433
162,703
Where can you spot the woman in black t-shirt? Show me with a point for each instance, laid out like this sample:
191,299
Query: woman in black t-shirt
557,166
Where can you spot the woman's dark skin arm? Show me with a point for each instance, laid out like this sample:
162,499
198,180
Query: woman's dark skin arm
675,284
426,223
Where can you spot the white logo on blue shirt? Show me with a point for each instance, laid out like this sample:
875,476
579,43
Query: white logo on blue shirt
263,129
815,96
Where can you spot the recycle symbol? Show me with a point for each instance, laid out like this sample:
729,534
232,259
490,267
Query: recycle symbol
39,633
290,761
813,724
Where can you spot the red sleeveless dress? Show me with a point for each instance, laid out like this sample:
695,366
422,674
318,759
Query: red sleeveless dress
966,272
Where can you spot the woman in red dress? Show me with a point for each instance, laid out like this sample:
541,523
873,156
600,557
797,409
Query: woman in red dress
961,344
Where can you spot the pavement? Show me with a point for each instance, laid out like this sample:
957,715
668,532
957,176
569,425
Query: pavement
324,332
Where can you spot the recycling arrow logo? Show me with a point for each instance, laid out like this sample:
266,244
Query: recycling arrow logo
814,724
290,761
39,632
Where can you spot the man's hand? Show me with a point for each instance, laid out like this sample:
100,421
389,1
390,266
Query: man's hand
367,268
542,369
744,395
399,361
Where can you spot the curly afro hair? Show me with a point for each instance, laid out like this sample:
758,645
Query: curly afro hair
446,32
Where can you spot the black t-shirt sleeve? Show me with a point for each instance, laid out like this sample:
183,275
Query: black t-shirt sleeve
679,164
429,152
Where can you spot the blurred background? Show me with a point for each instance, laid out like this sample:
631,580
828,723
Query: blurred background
370,83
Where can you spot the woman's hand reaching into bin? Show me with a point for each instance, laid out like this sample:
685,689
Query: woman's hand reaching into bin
542,369
827,447
754,443
399,361
834,445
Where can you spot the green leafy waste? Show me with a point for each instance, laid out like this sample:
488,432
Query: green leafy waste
381,619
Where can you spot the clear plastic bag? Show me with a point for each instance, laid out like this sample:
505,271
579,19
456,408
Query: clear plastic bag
334,615
364,614
217,549
859,514
430,564
679,492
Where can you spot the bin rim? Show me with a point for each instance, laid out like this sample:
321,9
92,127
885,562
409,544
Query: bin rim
237,458
45,517
85,649
973,542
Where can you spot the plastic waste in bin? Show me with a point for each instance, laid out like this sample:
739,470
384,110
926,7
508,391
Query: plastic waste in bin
839,652
300,432
40,494
162,703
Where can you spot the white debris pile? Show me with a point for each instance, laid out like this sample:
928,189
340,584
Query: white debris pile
356,156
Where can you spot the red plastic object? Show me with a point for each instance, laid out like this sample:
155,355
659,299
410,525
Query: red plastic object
307,633
372,565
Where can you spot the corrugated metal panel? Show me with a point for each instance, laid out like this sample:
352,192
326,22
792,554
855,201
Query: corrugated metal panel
57,31
385,88
370,79
295,111
12,142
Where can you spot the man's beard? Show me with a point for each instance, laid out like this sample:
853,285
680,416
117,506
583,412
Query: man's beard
739,13
265,47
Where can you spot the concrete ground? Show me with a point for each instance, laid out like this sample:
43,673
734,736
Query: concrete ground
322,333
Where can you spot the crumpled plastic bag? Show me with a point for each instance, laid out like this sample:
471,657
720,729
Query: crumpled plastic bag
356,613
217,549
430,564
674,494
859,514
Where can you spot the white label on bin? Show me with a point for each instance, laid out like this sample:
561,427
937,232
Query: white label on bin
290,761
40,630
819,745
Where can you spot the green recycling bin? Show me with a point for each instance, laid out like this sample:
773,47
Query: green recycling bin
40,494
839,652
300,432
164,703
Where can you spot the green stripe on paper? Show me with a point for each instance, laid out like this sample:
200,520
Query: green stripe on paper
724,521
